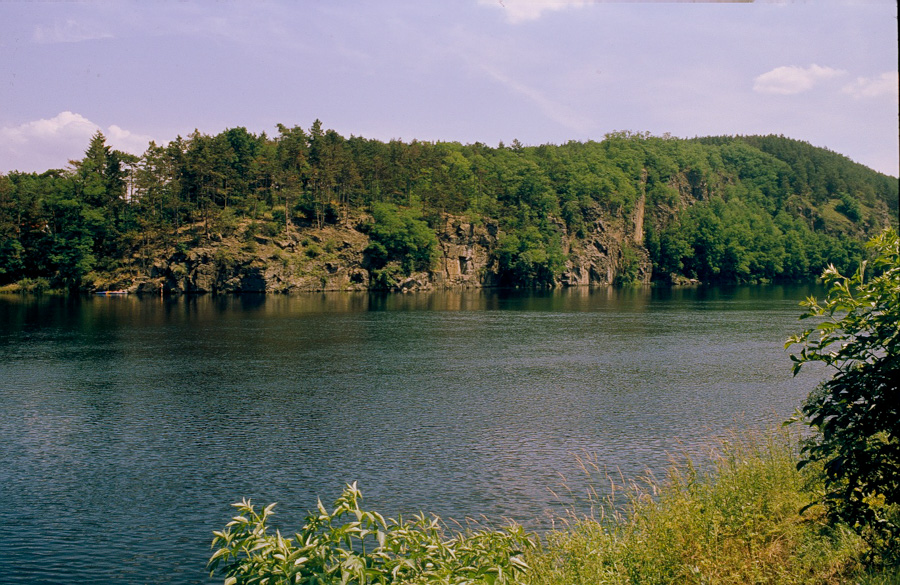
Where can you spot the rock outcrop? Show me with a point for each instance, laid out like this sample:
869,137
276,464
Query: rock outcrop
465,259
606,253
299,260
334,259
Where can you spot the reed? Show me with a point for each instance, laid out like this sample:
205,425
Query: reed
736,520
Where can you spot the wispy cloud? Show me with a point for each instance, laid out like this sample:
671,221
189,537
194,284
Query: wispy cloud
887,83
792,80
50,143
69,31
518,11
554,110
524,10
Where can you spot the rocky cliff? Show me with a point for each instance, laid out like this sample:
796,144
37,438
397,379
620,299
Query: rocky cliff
334,259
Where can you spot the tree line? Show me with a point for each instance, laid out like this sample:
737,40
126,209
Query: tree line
718,209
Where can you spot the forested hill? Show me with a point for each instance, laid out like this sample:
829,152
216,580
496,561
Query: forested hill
313,210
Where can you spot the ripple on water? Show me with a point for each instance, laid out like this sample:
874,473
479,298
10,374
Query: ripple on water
128,426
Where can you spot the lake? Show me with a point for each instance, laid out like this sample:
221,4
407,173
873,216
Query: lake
128,425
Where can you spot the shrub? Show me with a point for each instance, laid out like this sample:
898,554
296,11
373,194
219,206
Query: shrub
630,267
849,207
529,258
352,546
856,413
312,250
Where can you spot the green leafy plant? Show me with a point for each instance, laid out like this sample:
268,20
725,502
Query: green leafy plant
351,546
856,413
629,270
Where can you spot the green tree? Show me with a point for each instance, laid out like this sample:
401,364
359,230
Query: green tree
11,250
400,235
70,247
529,258
849,207
856,413
292,168
239,149
91,171
100,184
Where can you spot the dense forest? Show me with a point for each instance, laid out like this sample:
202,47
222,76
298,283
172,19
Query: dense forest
292,211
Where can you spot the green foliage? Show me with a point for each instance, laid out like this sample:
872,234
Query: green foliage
823,174
630,267
849,207
856,413
11,258
401,235
731,521
720,240
351,546
70,245
529,258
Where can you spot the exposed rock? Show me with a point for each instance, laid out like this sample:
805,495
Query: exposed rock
599,258
333,259
147,286
679,280
465,259
590,261
420,281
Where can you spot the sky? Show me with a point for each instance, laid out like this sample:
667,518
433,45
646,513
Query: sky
490,71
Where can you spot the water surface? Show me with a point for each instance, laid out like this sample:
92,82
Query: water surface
128,426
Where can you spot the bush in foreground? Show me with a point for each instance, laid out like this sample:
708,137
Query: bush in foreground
352,546
856,413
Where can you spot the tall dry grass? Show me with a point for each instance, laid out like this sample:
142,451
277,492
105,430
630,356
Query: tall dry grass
735,521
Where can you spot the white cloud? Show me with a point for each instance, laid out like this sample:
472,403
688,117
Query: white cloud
523,10
44,144
127,141
500,63
793,80
870,87
64,127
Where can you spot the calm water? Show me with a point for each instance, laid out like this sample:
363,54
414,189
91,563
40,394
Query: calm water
128,426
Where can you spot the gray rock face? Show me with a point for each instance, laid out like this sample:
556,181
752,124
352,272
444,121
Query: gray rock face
333,259
465,259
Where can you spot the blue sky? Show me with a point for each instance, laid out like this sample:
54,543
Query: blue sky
541,71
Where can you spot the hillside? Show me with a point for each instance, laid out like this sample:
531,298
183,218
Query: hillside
312,210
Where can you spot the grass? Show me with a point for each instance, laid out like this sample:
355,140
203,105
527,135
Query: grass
737,522
833,218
